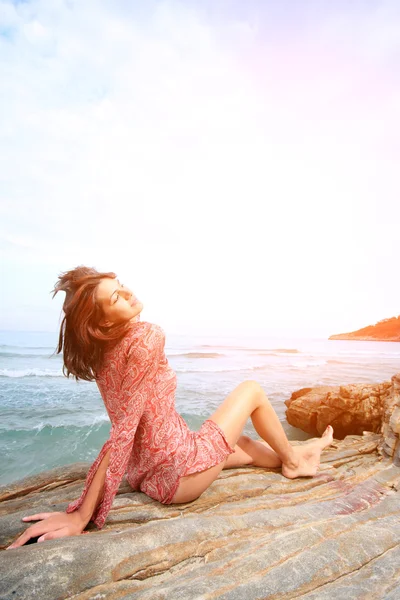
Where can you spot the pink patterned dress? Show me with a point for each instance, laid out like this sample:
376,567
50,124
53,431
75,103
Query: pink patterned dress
150,442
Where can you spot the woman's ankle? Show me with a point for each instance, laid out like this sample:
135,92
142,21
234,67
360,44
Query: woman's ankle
291,460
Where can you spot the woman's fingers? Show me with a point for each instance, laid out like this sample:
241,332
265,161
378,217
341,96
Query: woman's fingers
34,530
24,537
49,526
38,529
40,516
51,535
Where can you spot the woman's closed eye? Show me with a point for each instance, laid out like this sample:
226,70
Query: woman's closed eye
122,285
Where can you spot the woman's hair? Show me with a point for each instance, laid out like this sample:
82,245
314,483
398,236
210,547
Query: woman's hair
81,338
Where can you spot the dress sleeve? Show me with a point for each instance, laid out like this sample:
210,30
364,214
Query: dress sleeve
136,388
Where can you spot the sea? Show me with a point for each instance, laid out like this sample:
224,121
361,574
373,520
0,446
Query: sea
49,420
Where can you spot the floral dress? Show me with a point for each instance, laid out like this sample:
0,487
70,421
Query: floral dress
150,442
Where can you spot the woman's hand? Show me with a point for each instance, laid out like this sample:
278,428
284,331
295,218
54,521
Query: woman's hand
51,525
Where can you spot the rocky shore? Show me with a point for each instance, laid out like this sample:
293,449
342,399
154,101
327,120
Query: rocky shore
350,409
363,338
253,534
387,330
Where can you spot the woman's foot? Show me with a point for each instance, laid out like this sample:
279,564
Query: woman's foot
306,457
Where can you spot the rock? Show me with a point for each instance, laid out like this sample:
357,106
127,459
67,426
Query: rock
390,445
387,330
350,409
252,534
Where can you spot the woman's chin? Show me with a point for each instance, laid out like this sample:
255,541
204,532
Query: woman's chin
136,317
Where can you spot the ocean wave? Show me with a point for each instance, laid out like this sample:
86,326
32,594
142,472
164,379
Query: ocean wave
232,347
261,351
28,355
299,364
98,420
261,367
216,370
51,348
237,369
198,355
334,361
99,424
276,352
306,363
361,353
19,373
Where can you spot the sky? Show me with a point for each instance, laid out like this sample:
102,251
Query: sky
234,163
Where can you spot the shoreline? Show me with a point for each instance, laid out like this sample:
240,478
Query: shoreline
361,338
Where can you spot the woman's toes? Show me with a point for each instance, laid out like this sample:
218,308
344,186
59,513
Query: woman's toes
327,437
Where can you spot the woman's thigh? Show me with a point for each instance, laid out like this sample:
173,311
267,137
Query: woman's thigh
235,410
231,416
193,485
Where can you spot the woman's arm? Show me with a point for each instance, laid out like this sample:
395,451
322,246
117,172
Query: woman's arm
95,491
135,389
59,524
105,474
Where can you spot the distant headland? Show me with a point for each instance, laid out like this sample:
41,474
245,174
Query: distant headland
387,330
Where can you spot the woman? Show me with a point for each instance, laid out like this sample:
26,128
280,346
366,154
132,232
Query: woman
103,339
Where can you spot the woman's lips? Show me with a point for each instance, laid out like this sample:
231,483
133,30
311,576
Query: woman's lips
134,301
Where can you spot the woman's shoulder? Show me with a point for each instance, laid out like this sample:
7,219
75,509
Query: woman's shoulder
144,334
119,348
142,341
140,334
140,329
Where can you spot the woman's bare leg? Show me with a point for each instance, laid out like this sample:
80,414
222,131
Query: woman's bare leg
256,453
297,461
249,399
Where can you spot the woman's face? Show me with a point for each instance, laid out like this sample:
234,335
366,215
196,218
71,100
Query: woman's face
117,301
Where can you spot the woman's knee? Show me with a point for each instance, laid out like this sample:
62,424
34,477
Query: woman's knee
250,385
245,443
253,388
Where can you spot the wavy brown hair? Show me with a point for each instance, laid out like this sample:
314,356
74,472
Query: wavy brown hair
82,339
